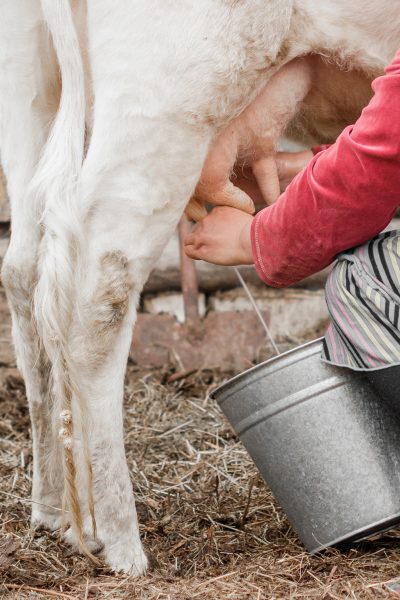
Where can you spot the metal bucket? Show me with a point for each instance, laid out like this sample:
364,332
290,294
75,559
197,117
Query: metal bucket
326,445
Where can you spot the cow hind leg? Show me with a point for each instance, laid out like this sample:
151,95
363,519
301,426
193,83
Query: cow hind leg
28,100
47,481
115,262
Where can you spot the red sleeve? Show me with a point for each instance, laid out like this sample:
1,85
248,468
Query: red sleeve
346,195
316,149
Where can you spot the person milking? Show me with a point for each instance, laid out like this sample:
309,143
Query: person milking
339,200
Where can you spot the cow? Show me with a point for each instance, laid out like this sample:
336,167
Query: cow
107,112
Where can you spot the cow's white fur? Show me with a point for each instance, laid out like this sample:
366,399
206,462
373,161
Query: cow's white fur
165,76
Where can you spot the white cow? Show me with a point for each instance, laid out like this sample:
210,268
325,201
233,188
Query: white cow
100,160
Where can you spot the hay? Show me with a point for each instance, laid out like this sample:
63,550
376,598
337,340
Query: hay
209,524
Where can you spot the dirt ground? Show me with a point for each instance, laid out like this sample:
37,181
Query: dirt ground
211,527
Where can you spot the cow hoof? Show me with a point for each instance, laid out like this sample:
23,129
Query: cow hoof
41,519
93,544
131,561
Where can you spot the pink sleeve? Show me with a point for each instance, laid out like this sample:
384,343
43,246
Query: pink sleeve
346,195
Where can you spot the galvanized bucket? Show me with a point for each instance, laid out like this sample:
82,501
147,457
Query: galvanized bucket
325,444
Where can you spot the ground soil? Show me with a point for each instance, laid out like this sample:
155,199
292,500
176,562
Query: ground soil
210,525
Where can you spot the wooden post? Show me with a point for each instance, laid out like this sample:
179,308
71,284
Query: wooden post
190,289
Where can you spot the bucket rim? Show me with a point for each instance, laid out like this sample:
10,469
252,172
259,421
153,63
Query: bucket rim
360,534
223,387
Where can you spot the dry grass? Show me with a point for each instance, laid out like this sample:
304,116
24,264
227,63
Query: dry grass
209,524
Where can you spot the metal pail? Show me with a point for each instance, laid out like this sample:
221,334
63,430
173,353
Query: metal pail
325,444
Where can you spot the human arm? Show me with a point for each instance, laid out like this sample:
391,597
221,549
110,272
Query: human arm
346,195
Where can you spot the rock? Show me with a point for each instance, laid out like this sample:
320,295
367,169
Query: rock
293,313
226,340
171,304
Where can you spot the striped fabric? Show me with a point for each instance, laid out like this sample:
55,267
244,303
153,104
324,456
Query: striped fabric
363,298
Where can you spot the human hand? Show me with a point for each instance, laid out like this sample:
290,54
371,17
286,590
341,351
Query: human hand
246,186
222,238
288,164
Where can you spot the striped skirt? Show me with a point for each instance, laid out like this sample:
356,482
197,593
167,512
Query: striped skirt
363,298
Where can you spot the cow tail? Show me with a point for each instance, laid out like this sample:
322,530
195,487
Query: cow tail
56,182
